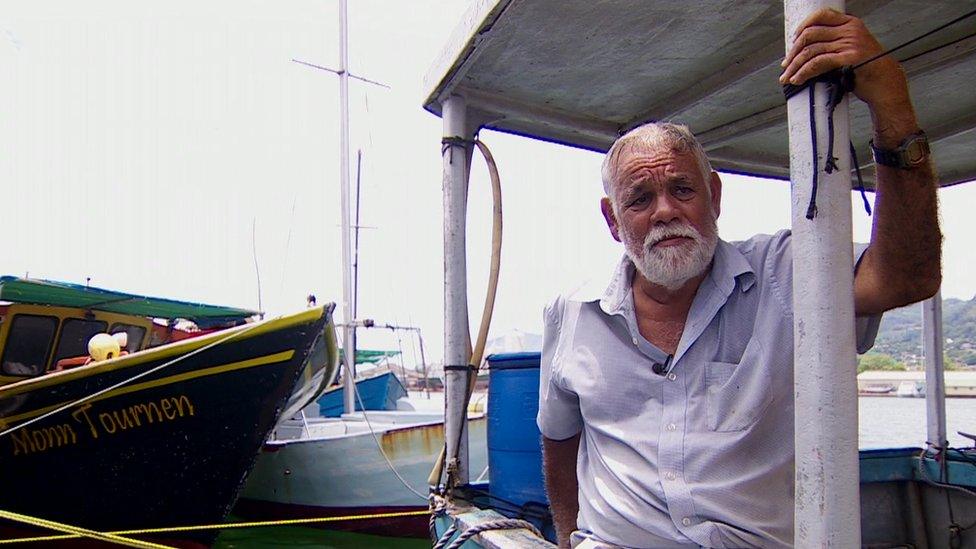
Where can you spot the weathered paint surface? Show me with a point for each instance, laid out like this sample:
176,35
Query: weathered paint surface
827,500
457,341
350,471
425,438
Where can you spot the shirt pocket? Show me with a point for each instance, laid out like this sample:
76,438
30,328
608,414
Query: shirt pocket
736,395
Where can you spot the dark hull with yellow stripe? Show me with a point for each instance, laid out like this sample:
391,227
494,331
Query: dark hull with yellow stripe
169,449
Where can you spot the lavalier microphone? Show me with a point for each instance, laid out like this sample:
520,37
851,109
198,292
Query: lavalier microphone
662,369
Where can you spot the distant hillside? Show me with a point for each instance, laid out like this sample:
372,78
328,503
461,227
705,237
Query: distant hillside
901,332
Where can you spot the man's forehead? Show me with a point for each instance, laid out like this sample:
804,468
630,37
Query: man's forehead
638,148
632,159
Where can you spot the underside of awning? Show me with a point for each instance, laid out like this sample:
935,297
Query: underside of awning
581,72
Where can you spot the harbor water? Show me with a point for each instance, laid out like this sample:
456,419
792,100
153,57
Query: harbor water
891,422
885,422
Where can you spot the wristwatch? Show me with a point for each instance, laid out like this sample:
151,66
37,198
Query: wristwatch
912,152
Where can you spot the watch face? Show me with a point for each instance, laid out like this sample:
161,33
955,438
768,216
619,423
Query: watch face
913,152
916,151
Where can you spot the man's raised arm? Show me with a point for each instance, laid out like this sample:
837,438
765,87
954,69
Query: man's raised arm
902,264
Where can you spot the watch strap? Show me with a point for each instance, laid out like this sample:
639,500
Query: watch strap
912,151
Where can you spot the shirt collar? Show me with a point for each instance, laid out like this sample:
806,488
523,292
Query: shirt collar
728,266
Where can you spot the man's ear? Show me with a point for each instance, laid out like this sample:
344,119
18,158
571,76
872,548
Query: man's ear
715,184
611,219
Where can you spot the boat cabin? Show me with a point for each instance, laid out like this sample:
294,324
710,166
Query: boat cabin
45,326
35,338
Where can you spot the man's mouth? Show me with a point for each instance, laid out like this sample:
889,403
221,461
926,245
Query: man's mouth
672,241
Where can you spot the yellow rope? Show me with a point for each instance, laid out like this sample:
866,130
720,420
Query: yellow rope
76,532
286,522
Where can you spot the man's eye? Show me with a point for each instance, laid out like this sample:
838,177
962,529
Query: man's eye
639,201
683,191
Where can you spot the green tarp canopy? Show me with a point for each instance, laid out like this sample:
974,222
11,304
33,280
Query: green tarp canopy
364,356
63,294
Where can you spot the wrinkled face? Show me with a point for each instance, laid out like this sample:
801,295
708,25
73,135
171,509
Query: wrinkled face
664,211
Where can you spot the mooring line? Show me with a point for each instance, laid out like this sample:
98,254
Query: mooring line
230,525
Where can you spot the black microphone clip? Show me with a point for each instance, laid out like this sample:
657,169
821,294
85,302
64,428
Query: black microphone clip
662,369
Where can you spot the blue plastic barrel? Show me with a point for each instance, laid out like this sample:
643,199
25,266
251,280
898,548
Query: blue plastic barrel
514,444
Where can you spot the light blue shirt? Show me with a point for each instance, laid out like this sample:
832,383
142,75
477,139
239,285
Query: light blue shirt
702,455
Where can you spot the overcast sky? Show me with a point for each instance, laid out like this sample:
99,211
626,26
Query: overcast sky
140,144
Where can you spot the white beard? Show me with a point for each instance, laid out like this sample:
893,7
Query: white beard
672,266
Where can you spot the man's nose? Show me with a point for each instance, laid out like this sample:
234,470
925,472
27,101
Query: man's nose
666,209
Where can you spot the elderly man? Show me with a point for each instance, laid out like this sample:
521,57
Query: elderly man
666,406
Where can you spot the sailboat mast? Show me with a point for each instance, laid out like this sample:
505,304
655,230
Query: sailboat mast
355,255
348,329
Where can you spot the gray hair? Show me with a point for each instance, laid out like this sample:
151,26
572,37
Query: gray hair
654,136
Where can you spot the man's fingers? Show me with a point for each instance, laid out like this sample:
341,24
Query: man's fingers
827,40
823,16
804,57
817,65
812,35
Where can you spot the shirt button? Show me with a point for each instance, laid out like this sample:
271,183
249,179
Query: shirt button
669,475
635,341
686,521
671,427
672,376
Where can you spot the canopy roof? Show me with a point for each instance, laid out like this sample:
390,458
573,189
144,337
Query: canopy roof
580,72
366,356
63,294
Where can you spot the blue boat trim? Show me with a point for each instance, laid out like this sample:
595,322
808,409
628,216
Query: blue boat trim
377,393
902,464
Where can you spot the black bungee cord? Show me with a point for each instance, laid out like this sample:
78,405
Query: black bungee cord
839,82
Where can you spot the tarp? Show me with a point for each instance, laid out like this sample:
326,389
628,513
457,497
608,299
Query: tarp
45,292
365,356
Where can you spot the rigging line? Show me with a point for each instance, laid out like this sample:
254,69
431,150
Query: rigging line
939,47
380,447
499,524
284,262
106,538
369,126
254,252
334,71
860,180
129,380
923,472
917,38
227,526
403,367
413,345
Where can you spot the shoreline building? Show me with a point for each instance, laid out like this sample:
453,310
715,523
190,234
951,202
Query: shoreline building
912,384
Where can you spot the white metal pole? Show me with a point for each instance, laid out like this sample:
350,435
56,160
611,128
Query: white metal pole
827,507
348,334
934,370
456,331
